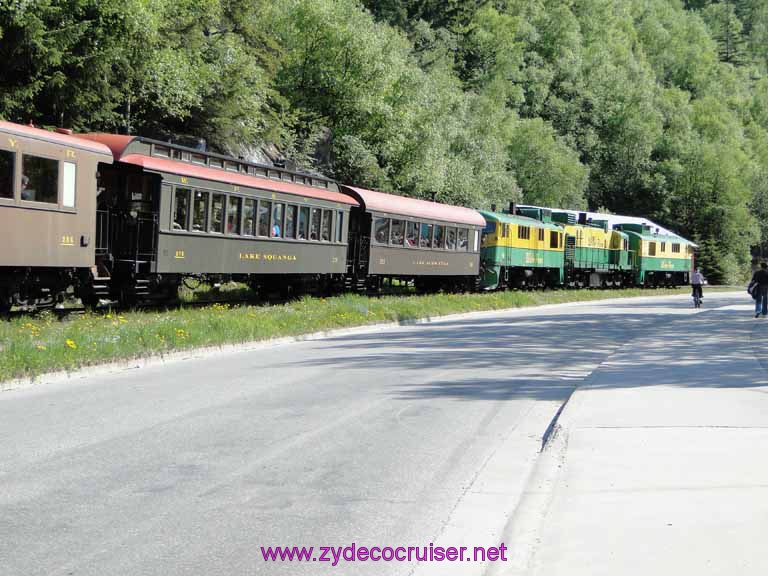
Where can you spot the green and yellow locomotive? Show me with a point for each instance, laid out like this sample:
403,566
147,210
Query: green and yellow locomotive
535,247
520,252
660,259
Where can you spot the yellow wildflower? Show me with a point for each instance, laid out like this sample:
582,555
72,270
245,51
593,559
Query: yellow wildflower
71,344
40,347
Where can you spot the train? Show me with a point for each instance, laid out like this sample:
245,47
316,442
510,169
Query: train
127,219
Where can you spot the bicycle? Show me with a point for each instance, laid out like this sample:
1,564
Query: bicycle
697,296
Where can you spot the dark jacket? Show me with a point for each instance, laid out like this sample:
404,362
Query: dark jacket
761,277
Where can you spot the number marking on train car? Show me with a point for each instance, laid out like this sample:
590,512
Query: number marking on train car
67,240
179,255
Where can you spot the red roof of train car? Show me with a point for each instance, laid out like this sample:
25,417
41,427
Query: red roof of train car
54,137
391,204
118,143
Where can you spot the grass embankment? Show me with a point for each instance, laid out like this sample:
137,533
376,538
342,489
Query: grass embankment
30,346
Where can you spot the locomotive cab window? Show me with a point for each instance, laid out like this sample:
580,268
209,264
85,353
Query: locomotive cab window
7,163
554,240
524,232
181,208
676,248
381,230
652,248
663,246
217,214
40,179
541,234
234,213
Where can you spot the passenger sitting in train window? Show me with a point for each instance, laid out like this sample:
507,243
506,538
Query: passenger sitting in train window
276,230
26,193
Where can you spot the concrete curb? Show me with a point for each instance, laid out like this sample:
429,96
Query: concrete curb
225,349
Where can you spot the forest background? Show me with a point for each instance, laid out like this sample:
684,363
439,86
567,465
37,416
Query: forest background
656,108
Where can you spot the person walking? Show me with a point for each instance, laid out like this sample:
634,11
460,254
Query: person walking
759,286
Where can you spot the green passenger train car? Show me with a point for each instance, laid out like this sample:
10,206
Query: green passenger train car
520,252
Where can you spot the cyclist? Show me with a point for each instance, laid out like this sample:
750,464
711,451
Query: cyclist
697,281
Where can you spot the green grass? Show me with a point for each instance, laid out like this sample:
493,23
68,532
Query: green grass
30,346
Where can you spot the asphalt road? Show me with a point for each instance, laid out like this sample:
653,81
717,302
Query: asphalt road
398,437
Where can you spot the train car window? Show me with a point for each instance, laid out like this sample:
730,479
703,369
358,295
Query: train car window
381,230
234,214
554,240
249,223
176,154
439,239
181,208
232,166
314,224
326,229
625,244
676,248
163,151
663,246
463,239
450,239
200,212
412,234
290,221
7,163
524,232
68,185
277,220
217,214
652,248
215,163
426,236
302,232
340,226
541,234
265,208
476,241
198,159
397,233
40,179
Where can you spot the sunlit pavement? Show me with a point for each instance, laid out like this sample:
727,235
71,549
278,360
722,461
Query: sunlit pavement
403,437
659,466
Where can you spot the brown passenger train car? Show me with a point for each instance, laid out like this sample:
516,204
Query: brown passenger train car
47,212
435,245
175,211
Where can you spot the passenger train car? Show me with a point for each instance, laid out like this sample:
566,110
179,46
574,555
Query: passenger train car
126,218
